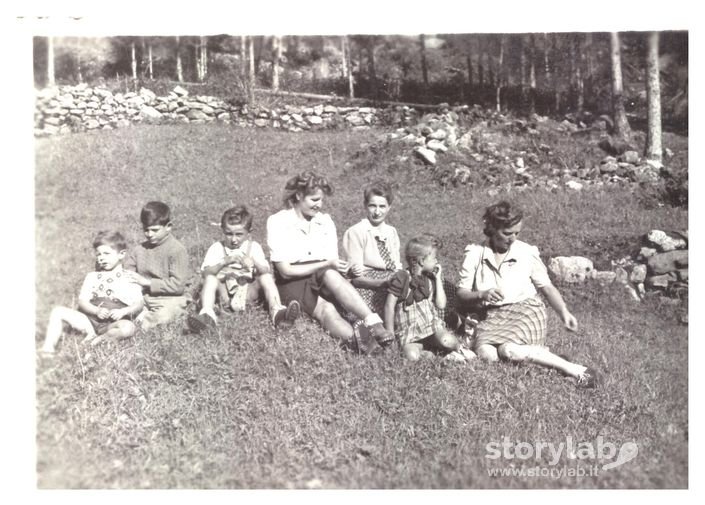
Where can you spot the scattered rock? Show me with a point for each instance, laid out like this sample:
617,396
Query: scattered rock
572,269
667,262
428,156
663,242
638,274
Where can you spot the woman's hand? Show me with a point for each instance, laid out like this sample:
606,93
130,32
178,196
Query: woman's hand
357,270
342,266
438,272
569,321
492,296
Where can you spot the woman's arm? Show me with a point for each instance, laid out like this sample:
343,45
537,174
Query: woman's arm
296,270
366,282
555,300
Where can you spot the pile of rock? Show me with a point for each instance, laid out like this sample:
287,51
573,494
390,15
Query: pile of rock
80,108
660,265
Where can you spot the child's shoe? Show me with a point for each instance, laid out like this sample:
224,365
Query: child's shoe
200,323
285,316
364,342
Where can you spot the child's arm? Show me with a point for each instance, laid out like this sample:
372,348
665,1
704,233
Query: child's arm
389,306
214,269
88,308
440,300
130,310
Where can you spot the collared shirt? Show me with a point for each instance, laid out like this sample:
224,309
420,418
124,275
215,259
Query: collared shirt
295,240
360,245
519,275
110,284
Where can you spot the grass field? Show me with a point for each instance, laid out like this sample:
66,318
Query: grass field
255,408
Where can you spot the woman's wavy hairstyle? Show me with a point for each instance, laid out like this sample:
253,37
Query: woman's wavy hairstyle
304,184
499,216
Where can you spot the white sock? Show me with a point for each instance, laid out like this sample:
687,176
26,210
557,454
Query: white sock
209,313
372,319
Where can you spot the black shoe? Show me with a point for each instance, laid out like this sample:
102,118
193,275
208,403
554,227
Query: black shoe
200,323
381,335
284,318
366,343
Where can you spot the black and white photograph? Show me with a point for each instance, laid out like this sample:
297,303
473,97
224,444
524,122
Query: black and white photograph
358,254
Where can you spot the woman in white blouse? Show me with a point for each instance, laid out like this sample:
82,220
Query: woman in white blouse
304,250
502,278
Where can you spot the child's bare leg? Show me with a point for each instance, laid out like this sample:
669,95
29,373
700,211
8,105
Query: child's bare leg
487,352
266,285
446,340
412,351
329,318
60,315
540,355
346,294
116,331
208,293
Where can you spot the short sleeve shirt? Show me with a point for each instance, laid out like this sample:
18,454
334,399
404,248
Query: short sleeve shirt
295,240
519,275
217,252
110,284
360,244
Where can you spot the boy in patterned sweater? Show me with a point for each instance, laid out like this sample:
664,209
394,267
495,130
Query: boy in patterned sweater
160,265
107,300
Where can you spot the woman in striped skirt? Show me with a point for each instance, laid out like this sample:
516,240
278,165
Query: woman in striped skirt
502,277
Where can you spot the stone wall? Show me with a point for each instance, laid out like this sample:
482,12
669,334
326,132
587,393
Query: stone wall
80,108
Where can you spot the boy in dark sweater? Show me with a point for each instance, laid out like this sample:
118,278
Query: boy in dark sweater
160,265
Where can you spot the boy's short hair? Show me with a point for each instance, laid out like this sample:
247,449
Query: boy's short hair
237,215
155,214
378,188
114,239
420,246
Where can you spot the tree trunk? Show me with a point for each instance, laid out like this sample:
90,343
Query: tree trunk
468,60
251,71
179,66
78,67
621,125
424,68
277,43
546,61
480,66
243,56
348,64
522,70
589,67
556,88
150,60
343,58
51,75
532,73
488,64
203,58
133,55
653,150
371,71
576,57
500,74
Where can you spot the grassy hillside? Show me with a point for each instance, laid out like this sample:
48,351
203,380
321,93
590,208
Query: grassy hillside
257,408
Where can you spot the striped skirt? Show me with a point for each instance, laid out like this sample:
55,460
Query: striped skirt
519,323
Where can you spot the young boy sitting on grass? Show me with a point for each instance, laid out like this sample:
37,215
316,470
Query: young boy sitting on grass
236,270
160,265
107,300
